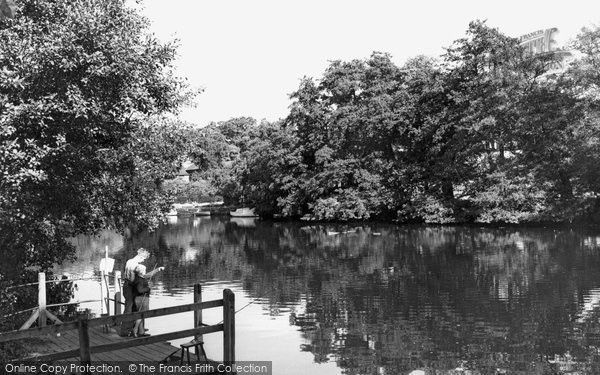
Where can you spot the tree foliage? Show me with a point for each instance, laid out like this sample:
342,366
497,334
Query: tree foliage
79,83
486,133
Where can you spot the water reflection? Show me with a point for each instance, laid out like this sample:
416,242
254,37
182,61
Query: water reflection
384,299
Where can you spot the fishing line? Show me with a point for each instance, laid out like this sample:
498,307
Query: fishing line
149,279
251,302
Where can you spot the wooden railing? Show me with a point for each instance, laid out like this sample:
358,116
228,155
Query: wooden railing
40,313
83,324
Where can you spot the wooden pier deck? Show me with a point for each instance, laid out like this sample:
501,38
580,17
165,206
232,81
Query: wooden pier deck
69,340
87,340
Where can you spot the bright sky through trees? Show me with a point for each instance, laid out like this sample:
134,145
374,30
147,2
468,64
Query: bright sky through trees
250,54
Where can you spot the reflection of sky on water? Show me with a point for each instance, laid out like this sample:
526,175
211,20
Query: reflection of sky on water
376,298
244,222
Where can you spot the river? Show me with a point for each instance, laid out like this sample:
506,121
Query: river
377,298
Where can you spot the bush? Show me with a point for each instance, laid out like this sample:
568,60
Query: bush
348,205
505,199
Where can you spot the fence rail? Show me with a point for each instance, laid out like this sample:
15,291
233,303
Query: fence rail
83,324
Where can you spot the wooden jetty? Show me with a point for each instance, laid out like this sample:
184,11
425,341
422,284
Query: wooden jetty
68,341
90,340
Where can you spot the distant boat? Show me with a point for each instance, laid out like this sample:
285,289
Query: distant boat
202,213
330,233
243,212
173,212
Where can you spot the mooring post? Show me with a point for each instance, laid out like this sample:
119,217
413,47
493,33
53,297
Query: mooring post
228,327
198,312
42,299
117,285
84,342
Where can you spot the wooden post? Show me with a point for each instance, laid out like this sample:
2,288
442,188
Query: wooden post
117,285
118,303
104,281
198,312
84,341
42,299
101,292
228,327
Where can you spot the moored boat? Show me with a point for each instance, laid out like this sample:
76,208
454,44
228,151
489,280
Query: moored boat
243,212
200,212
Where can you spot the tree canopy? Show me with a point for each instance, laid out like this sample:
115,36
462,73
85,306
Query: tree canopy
79,83
487,133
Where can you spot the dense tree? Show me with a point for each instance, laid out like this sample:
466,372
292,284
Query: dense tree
237,130
346,126
77,82
488,133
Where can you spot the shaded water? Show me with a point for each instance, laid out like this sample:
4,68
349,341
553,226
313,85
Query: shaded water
379,298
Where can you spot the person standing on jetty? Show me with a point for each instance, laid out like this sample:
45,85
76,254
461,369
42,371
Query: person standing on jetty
142,303
130,292
128,287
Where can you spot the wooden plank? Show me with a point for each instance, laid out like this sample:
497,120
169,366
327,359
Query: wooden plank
127,354
154,351
110,320
129,343
118,303
66,341
53,317
113,320
45,347
31,319
99,337
117,287
70,342
70,339
146,351
228,326
158,338
198,313
42,299
84,341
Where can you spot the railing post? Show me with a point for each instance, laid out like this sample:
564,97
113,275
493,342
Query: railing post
118,303
104,281
101,292
228,327
198,312
84,341
117,285
42,299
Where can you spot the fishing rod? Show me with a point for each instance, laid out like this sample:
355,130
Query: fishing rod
149,279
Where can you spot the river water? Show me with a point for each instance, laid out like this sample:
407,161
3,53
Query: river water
377,298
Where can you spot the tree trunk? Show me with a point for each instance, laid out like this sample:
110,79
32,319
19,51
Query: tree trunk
447,189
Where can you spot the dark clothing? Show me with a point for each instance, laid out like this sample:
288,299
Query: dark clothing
136,299
142,301
129,295
141,286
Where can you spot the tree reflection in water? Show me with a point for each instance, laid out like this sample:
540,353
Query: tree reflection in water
385,299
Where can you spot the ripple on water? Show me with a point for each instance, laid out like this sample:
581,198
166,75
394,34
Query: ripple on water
411,299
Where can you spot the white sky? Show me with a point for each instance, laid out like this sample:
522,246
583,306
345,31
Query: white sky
250,55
